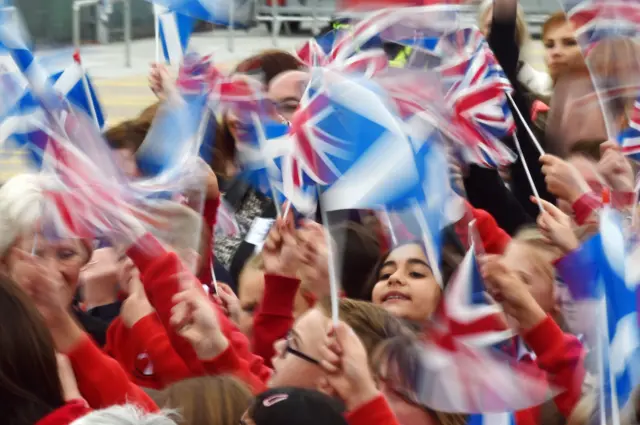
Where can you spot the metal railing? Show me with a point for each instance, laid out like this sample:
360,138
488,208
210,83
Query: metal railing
102,30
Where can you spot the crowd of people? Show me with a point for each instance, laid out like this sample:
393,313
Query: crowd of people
123,333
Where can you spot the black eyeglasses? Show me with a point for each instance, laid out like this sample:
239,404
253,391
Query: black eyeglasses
289,349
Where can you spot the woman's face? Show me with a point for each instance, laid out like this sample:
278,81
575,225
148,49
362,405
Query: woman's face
562,53
65,256
406,286
306,337
286,90
535,269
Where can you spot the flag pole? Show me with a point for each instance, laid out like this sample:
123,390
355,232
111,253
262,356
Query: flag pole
331,265
85,87
156,27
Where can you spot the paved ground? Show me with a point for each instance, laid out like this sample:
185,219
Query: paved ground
124,92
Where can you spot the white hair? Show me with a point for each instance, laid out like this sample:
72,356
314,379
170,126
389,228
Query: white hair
21,204
126,415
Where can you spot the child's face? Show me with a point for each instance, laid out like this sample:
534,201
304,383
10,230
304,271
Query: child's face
535,269
406,286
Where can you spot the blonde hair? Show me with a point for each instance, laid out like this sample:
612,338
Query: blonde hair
522,31
211,400
21,206
373,324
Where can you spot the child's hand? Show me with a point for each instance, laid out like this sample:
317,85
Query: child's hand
563,179
507,288
280,252
556,226
194,318
345,362
314,266
615,168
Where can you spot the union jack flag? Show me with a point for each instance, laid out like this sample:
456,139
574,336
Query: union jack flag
468,315
475,88
368,62
319,134
597,20
629,138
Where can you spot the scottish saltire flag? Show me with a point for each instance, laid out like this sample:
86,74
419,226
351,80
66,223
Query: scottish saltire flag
604,268
629,138
492,419
471,318
69,84
173,140
358,150
623,365
23,119
174,33
221,12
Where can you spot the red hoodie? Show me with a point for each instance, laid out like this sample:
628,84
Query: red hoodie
494,239
66,414
102,381
560,357
377,412
159,272
145,353
209,214
274,316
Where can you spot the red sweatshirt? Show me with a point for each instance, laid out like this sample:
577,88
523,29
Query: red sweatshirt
377,412
209,214
274,316
145,353
560,357
66,414
494,239
101,380
585,207
159,274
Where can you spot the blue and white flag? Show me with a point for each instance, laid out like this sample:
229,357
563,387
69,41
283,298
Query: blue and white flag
23,121
174,33
222,12
491,419
622,361
69,83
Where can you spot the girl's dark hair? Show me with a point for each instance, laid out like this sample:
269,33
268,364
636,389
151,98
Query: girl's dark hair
29,384
452,255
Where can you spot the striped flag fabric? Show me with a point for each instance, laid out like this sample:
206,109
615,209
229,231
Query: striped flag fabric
174,33
238,13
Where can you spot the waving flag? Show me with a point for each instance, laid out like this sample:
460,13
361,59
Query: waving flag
23,119
260,152
475,86
470,318
221,12
629,138
596,20
174,31
622,312
492,419
69,84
